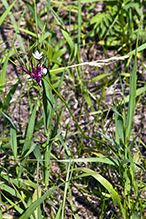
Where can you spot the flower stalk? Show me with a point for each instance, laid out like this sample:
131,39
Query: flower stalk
37,71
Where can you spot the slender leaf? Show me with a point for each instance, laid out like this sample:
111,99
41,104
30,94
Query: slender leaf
13,141
10,95
34,205
2,18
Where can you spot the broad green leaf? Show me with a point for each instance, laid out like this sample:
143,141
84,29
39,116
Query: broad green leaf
9,189
21,183
98,18
120,128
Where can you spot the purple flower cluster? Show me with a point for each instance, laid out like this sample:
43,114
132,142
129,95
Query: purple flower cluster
37,72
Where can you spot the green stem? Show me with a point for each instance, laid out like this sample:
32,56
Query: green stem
61,98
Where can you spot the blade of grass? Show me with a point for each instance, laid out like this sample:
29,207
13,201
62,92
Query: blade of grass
107,185
34,205
14,205
3,75
28,138
65,190
132,97
15,24
8,118
2,18
61,98
13,141
48,111
105,160
10,95
35,14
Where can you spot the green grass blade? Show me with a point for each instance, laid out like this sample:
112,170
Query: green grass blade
37,154
29,131
61,98
0,206
30,150
119,126
10,95
65,147
9,54
28,138
69,41
114,195
17,32
39,21
8,118
2,18
65,190
34,205
14,205
99,77
48,111
139,49
3,75
58,216
48,101
132,99
13,141
79,22
105,160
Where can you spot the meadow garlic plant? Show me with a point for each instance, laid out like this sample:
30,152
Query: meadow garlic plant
36,71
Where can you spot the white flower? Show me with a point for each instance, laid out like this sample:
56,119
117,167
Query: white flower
37,55
44,71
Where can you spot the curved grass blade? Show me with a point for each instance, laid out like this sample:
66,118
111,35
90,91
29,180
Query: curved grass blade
61,98
34,205
8,118
114,195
